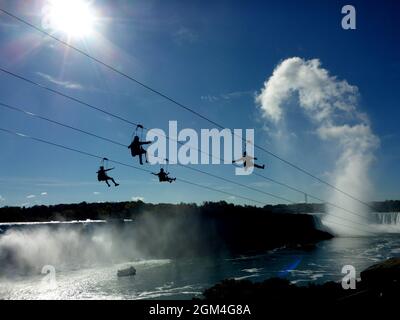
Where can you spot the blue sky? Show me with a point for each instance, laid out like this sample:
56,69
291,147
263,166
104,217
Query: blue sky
211,55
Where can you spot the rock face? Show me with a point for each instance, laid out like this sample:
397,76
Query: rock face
383,273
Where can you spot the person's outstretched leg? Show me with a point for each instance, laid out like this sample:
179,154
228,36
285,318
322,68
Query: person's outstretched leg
107,183
140,159
260,167
116,184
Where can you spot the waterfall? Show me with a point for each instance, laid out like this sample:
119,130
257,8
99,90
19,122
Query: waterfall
387,218
378,223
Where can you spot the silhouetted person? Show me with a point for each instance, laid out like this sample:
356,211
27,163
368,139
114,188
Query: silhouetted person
248,161
137,149
163,176
102,176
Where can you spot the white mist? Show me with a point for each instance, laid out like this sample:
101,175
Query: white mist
331,106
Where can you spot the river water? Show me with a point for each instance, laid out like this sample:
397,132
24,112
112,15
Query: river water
84,260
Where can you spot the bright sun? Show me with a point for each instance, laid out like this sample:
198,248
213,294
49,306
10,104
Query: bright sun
73,17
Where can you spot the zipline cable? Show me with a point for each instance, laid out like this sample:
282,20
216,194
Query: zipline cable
169,138
166,136
13,108
120,163
97,109
28,113
31,114
181,105
67,96
91,106
148,171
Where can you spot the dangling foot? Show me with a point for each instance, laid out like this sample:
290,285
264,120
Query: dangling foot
117,184
263,166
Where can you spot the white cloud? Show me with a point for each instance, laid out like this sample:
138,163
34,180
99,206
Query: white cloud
65,84
137,198
210,98
61,184
2,199
31,196
96,193
226,96
185,35
44,194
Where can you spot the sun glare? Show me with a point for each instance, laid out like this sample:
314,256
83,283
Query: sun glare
73,17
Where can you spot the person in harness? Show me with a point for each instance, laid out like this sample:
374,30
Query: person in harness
102,176
137,149
163,176
248,162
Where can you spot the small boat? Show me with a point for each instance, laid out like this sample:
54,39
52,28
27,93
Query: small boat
131,271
